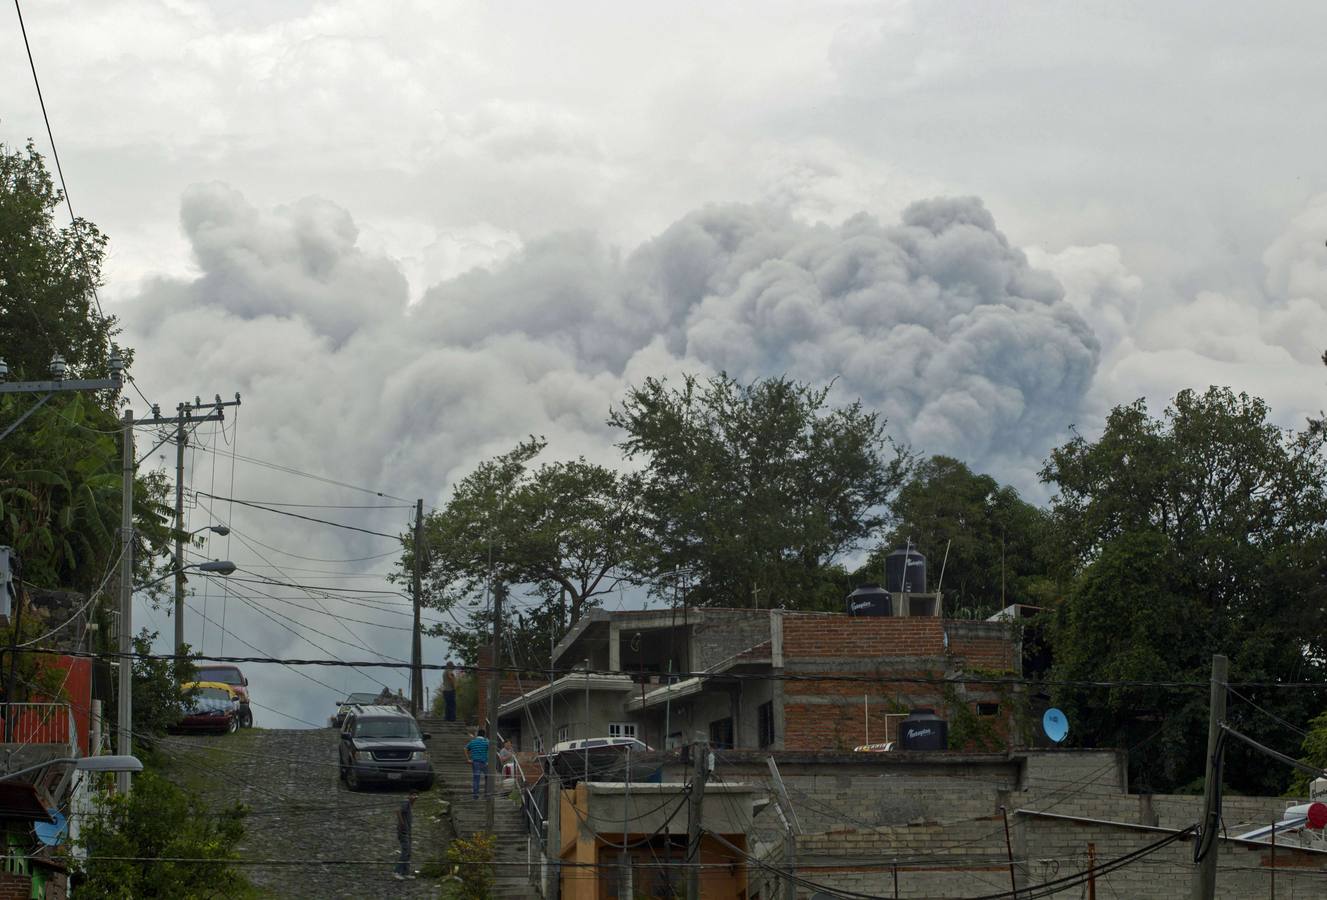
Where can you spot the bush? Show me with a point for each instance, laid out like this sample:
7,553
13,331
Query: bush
471,863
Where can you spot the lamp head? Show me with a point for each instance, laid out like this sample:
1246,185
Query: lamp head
58,367
217,567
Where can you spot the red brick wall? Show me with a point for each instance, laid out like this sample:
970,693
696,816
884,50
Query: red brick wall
831,714
19,887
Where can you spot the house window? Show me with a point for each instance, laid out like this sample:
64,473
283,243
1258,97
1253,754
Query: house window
721,734
988,709
765,724
564,733
622,729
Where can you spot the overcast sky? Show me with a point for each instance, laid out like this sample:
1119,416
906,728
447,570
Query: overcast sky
411,233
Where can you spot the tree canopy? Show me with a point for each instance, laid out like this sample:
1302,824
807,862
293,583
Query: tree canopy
989,542
48,275
756,491
566,532
1203,531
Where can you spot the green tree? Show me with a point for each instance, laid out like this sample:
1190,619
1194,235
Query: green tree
60,471
1197,533
562,534
159,701
133,839
48,275
756,491
988,540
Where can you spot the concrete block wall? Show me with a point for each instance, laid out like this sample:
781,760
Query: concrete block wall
1057,848
723,633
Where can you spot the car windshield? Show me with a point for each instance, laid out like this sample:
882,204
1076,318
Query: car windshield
358,698
207,699
386,728
223,675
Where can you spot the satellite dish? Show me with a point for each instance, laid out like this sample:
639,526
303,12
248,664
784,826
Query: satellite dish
52,834
1055,725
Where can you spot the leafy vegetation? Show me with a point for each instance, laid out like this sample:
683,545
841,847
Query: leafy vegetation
471,863
758,492
1199,532
135,840
989,542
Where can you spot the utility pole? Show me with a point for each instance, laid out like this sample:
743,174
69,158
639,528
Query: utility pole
185,415
1204,873
499,591
416,654
700,773
125,716
59,384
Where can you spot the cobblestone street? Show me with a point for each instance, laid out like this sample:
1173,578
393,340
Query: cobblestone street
300,813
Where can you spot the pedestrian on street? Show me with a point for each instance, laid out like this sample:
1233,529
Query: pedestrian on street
449,691
477,753
404,821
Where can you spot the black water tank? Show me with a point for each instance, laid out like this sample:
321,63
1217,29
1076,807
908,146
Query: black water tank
870,600
905,572
923,730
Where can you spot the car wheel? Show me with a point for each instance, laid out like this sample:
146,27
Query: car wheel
233,725
246,717
427,785
352,780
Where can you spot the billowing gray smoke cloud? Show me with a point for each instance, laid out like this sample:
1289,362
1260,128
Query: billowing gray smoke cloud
936,321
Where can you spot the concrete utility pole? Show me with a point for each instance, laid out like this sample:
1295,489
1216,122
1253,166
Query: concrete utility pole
185,416
700,774
416,584
1204,873
499,591
125,712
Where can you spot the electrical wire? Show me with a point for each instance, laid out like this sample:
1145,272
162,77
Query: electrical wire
282,512
1271,715
55,153
290,470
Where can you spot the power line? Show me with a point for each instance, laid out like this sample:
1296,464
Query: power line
282,512
237,532
55,153
290,470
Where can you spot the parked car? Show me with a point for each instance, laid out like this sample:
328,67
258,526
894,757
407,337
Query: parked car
343,706
604,759
213,707
382,744
230,675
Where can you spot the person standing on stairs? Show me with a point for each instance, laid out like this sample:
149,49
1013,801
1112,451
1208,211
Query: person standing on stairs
476,752
449,691
404,821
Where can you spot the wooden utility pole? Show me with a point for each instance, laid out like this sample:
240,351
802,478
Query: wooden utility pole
194,414
1204,873
416,585
494,678
125,706
700,773
1009,848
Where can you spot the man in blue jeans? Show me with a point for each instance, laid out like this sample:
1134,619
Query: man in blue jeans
404,821
477,753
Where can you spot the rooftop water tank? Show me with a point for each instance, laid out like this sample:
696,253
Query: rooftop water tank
923,730
905,572
870,600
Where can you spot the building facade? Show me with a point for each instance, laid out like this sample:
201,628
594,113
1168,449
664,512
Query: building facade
762,679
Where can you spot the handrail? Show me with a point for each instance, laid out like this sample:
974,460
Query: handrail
535,826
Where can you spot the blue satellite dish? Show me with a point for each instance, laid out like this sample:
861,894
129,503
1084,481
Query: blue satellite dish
1055,725
52,834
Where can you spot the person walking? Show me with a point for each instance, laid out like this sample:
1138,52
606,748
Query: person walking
449,691
476,752
404,823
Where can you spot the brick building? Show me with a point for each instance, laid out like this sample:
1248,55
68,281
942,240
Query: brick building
760,679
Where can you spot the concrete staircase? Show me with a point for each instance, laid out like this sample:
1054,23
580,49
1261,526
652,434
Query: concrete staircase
447,753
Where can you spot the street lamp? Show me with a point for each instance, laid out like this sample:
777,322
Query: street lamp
211,567
85,764
215,529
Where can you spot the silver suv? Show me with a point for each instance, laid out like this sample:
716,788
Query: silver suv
382,744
